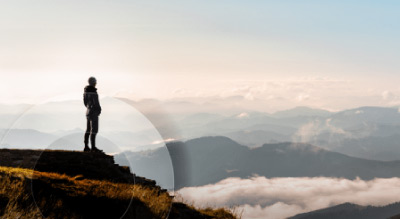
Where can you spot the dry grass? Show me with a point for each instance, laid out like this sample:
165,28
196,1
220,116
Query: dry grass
15,181
159,204
220,213
213,212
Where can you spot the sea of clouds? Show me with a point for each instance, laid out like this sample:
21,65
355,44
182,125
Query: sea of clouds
260,197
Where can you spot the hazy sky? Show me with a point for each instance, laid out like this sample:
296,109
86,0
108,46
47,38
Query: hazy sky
344,51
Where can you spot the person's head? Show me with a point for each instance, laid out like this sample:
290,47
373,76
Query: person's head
92,81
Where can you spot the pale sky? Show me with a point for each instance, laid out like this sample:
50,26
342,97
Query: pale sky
306,51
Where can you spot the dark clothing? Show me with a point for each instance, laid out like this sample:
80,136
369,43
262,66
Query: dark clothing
92,127
91,101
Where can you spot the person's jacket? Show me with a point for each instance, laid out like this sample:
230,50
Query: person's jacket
91,101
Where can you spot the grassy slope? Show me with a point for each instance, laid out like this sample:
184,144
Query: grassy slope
25,193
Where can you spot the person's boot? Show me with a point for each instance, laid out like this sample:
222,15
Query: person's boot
94,149
86,149
93,142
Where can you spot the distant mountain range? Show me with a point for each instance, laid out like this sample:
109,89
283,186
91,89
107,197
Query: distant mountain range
156,163
73,140
365,132
207,160
352,211
70,140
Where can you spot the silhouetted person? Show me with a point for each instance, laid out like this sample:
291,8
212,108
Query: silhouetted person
91,101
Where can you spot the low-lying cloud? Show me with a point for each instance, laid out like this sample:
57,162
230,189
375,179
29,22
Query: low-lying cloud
261,197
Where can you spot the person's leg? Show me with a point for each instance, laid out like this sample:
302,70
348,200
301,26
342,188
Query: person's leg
94,129
87,134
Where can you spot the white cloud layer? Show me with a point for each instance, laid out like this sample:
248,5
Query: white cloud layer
261,197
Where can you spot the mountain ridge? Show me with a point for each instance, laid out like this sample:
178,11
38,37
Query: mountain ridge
208,160
354,211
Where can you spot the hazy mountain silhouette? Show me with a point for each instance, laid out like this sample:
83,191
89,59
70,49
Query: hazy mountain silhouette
384,148
151,163
328,130
74,142
382,115
211,159
73,139
257,137
31,138
352,211
365,132
302,111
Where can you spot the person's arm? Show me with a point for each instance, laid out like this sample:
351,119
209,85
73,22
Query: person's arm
96,102
84,99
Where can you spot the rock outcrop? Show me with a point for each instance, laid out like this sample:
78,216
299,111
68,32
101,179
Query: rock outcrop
87,165
83,185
